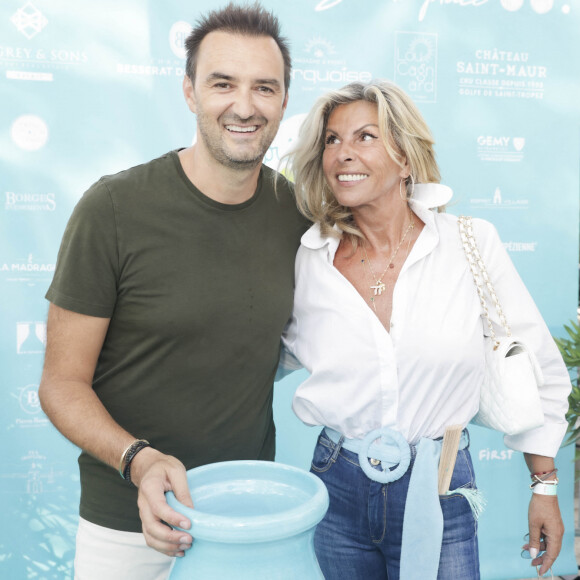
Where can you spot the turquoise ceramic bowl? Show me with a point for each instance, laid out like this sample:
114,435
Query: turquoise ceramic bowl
252,519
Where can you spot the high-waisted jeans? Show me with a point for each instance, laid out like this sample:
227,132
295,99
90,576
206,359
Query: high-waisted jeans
360,536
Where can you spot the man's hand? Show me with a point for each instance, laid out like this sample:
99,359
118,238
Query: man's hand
155,473
546,531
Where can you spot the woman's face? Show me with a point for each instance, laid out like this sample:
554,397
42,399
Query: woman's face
355,162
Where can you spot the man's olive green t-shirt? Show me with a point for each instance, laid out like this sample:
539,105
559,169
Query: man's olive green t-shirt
198,293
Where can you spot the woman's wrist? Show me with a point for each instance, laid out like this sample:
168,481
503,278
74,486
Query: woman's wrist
543,474
545,483
539,464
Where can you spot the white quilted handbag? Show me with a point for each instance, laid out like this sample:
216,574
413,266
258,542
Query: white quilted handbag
509,401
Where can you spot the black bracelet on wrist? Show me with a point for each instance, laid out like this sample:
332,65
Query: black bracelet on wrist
129,455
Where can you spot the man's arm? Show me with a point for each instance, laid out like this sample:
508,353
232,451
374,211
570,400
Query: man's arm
74,342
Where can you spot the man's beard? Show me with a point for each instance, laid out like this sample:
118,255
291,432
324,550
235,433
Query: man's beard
244,160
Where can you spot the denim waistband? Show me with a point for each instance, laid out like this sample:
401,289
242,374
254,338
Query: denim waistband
387,446
423,519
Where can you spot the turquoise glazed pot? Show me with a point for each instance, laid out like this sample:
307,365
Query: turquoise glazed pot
252,520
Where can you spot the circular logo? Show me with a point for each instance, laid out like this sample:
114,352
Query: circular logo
512,5
542,6
177,35
29,132
29,401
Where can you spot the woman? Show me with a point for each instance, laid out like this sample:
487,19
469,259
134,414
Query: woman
388,323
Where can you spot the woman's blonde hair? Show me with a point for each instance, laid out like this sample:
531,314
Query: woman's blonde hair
402,129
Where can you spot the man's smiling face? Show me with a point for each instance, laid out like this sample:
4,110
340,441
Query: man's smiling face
239,97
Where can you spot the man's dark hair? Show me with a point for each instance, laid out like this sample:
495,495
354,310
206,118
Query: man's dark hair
248,20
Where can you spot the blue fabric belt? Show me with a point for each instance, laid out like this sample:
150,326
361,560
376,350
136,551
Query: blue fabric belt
423,519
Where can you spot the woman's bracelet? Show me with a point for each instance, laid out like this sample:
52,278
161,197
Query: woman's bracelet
549,487
543,474
541,478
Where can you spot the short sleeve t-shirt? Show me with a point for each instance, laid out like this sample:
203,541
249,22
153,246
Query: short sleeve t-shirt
198,293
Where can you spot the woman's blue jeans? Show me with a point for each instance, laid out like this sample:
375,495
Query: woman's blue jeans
360,536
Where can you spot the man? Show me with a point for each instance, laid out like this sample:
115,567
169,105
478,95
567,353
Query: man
173,284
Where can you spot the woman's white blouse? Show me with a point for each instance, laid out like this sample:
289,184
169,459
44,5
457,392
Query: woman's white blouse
426,372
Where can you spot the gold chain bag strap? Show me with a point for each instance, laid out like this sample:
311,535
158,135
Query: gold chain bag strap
509,400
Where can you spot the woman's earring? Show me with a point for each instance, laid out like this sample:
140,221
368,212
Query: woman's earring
404,196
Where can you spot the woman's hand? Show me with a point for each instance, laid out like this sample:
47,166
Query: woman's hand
546,531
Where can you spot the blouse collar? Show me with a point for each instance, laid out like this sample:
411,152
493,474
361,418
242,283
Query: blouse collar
426,197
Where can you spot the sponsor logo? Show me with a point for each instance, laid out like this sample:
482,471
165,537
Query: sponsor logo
28,399
501,74
29,20
29,56
20,75
326,4
29,132
416,65
24,63
520,246
319,48
33,474
29,271
495,454
30,337
503,149
34,477
162,67
498,201
148,70
538,6
32,422
177,35
38,477
320,67
29,201
29,403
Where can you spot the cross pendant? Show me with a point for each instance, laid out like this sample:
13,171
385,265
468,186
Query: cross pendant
378,288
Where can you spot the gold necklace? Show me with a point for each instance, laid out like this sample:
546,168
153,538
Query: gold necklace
379,286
